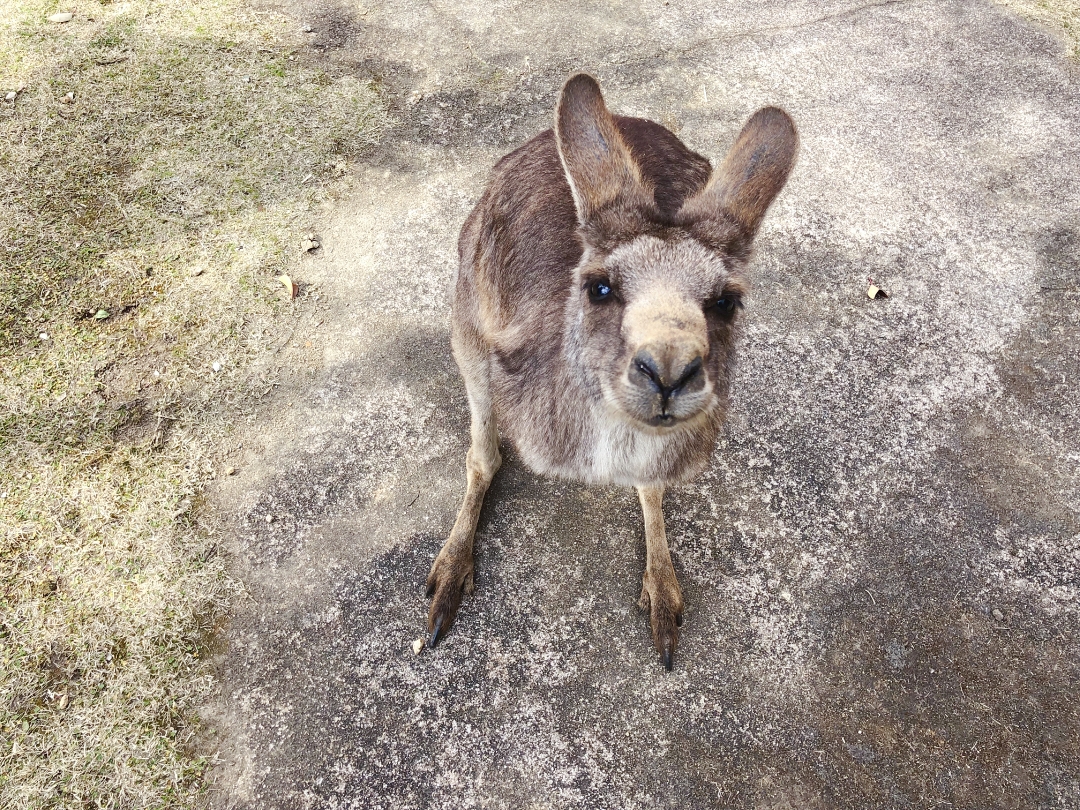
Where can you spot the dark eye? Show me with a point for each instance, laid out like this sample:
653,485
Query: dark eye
726,304
599,291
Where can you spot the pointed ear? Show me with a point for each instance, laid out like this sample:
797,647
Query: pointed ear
595,157
751,176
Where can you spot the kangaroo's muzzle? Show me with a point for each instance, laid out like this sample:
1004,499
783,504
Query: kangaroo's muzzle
667,370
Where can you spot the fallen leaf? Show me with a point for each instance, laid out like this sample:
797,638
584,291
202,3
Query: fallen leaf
101,314
289,285
874,293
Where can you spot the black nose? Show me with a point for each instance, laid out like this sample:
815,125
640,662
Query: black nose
667,378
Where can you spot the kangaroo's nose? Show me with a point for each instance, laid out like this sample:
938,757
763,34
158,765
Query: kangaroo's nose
667,373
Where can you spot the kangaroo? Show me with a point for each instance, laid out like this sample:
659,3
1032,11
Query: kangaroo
595,314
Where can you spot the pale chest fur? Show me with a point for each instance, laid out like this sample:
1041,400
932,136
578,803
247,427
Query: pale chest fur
605,449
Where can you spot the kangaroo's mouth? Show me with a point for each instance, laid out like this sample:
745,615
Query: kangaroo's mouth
661,413
663,420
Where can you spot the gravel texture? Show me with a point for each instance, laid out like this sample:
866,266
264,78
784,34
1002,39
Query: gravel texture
881,566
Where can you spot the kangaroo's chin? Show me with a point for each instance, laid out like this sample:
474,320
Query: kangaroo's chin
655,416
663,423
664,420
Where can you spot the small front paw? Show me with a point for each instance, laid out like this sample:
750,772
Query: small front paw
450,576
662,597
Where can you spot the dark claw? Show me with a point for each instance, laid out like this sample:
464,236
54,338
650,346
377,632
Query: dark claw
435,633
678,620
431,590
667,656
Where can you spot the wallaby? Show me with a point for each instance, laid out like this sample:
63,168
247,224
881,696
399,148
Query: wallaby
595,312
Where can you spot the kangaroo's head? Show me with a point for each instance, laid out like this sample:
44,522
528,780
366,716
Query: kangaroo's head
659,292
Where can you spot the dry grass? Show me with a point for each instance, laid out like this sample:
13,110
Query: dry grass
1060,16
195,139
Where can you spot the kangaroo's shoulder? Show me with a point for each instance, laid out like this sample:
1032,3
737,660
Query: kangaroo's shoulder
519,245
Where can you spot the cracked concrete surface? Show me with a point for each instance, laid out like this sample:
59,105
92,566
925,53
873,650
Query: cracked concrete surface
882,564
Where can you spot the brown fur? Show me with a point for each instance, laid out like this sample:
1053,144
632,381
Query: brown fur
627,386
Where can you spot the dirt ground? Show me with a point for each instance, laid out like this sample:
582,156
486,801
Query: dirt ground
881,565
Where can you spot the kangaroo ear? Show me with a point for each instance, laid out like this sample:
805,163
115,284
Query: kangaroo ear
751,176
595,157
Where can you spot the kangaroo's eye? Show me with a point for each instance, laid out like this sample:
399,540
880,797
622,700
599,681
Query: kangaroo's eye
599,291
726,304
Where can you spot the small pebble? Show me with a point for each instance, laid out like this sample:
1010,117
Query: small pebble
308,29
270,518
61,17
217,366
230,470
417,646
309,244
44,336
998,615
196,271
69,98
11,95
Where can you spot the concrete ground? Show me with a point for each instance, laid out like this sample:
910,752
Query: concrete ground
882,564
